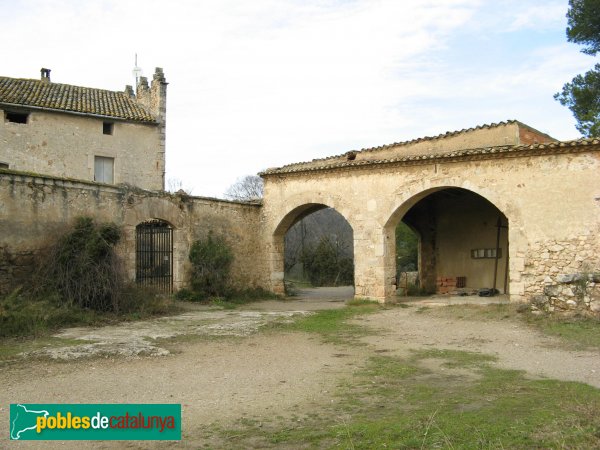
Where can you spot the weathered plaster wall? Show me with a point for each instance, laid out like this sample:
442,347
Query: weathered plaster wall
64,145
35,209
548,199
465,223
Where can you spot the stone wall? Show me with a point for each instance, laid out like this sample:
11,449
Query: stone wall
34,210
565,275
60,144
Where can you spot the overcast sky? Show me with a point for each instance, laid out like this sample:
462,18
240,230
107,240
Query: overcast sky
261,83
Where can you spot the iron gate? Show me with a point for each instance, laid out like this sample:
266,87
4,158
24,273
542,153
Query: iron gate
154,255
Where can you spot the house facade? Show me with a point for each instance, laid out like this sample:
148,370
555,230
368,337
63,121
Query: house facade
85,133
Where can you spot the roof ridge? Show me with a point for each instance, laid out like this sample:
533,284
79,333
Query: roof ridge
72,98
452,154
414,141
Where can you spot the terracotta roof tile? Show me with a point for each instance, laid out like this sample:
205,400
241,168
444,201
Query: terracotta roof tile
295,167
69,98
505,150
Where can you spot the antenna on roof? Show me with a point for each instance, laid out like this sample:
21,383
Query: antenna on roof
137,71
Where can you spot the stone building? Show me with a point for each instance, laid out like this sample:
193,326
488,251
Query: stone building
85,133
498,205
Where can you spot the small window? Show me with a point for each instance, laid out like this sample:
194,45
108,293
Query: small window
104,169
15,117
3,165
107,128
485,253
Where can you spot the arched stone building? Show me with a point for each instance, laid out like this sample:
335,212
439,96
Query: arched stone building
502,189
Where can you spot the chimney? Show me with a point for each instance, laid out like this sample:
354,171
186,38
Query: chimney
129,91
45,75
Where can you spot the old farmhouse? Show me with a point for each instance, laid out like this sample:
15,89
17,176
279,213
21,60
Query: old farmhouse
500,205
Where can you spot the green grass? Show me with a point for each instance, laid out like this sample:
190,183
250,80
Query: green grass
10,348
460,401
332,324
397,403
577,332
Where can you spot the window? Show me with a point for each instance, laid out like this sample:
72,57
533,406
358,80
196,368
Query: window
485,253
107,128
3,165
104,169
15,117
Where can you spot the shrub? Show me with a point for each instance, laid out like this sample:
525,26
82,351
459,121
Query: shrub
211,260
82,267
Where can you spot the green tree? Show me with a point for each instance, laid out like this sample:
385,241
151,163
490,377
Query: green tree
407,249
582,94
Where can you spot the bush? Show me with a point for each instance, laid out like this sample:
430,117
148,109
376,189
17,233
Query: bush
211,260
82,267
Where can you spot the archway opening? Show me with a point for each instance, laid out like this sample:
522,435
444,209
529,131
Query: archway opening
462,245
154,255
318,252
407,260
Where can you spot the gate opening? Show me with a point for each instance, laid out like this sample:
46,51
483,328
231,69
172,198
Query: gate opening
154,255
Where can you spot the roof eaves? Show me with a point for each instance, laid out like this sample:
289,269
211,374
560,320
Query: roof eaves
485,151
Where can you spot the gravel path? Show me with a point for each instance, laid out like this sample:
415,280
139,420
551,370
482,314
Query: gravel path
219,380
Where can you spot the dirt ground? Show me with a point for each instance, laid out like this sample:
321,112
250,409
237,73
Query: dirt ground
221,368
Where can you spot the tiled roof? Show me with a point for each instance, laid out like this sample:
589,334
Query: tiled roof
74,99
323,161
477,153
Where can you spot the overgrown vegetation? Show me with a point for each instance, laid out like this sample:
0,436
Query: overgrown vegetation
319,249
82,269
77,280
211,260
326,265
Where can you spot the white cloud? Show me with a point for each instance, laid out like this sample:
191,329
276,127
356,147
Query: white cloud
263,83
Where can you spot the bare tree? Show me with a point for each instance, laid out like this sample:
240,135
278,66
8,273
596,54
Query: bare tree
246,188
175,185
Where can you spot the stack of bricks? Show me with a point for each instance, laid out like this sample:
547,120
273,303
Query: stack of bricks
449,284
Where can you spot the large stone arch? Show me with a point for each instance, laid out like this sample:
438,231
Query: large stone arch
296,209
414,194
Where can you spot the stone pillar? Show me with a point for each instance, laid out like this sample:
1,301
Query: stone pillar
374,277
276,263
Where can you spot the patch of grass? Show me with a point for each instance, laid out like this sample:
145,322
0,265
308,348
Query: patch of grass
455,358
332,324
231,300
396,403
577,331
361,302
11,347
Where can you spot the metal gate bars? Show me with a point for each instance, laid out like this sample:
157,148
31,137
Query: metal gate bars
154,255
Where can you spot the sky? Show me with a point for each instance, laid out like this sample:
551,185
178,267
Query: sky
263,83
